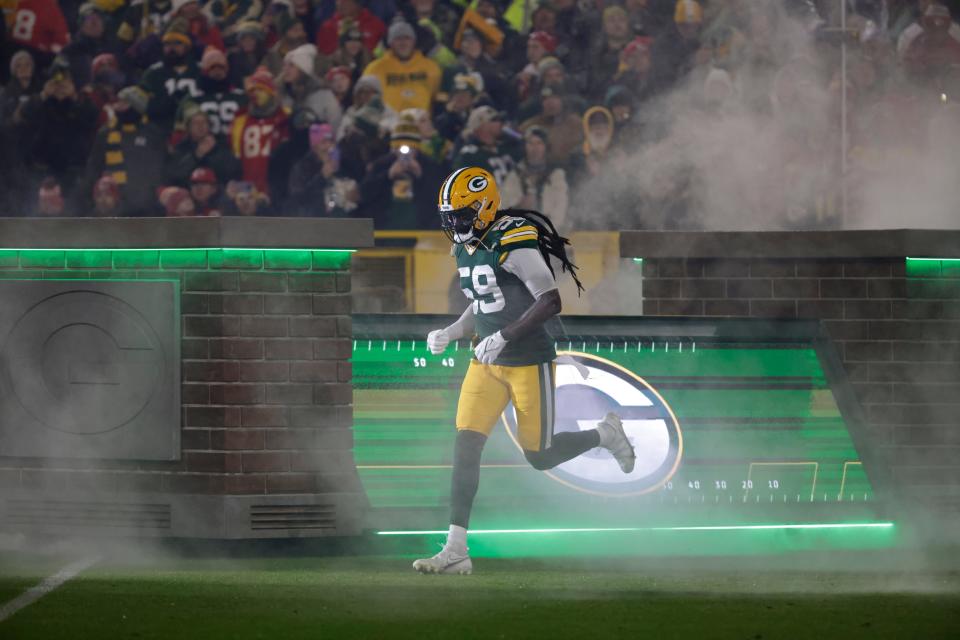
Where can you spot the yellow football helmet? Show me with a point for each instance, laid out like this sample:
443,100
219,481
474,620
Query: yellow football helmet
468,203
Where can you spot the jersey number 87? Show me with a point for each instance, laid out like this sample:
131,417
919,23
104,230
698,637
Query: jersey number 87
481,287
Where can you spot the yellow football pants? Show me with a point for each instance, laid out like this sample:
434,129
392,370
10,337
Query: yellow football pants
487,388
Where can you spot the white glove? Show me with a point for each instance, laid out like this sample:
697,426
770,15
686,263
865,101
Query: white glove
489,348
437,341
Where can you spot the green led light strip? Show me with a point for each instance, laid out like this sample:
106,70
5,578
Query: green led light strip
638,260
745,527
935,259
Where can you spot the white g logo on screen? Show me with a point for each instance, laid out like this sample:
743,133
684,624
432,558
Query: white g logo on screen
648,420
477,184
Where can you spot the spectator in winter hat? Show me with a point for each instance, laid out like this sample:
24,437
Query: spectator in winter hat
292,35
474,58
246,56
544,18
218,98
367,90
605,59
131,150
363,140
351,52
205,189
688,16
203,31
57,128
398,190
486,146
674,51
599,153
313,174
540,185
106,198
431,142
303,11
199,148
301,89
414,78
560,124
935,49
177,203
634,71
89,41
142,21
340,81
23,83
256,133
439,14
461,101
175,78
352,11
105,80
286,155
540,44
553,75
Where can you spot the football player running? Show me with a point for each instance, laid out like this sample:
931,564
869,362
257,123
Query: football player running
503,262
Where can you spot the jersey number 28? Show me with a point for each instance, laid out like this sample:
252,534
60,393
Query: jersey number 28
481,287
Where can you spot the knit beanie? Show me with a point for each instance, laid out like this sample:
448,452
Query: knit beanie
212,57
136,97
304,58
262,80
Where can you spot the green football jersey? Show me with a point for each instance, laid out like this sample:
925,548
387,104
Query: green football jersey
499,297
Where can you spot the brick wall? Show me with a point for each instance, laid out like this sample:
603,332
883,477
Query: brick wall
896,325
266,396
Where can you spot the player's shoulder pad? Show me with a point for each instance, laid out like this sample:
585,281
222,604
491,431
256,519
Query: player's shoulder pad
516,232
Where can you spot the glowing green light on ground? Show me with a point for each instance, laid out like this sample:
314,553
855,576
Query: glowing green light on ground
745,527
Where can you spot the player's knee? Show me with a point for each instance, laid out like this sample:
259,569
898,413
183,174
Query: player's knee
540,460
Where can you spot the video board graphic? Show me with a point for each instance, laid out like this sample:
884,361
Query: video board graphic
733,422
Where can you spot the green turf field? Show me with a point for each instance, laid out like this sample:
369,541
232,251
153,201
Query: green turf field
378,597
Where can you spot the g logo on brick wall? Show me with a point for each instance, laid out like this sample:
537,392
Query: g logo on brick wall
647,419
477,184
83,362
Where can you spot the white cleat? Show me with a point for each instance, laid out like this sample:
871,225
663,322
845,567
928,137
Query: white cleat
614,439
447,561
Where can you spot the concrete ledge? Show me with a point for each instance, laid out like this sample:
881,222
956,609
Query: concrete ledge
154,233
887,243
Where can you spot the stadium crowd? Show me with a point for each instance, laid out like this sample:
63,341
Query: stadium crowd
361,107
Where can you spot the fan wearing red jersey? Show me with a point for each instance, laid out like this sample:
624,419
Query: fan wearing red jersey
40,26
259,130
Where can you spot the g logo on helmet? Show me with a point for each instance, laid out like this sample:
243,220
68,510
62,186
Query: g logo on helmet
648,420
477,184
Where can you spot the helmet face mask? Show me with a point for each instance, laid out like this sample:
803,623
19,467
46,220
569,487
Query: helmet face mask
468,203
459,225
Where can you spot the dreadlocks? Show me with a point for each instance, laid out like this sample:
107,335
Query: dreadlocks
550,241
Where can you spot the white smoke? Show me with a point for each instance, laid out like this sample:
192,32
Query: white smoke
757,146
